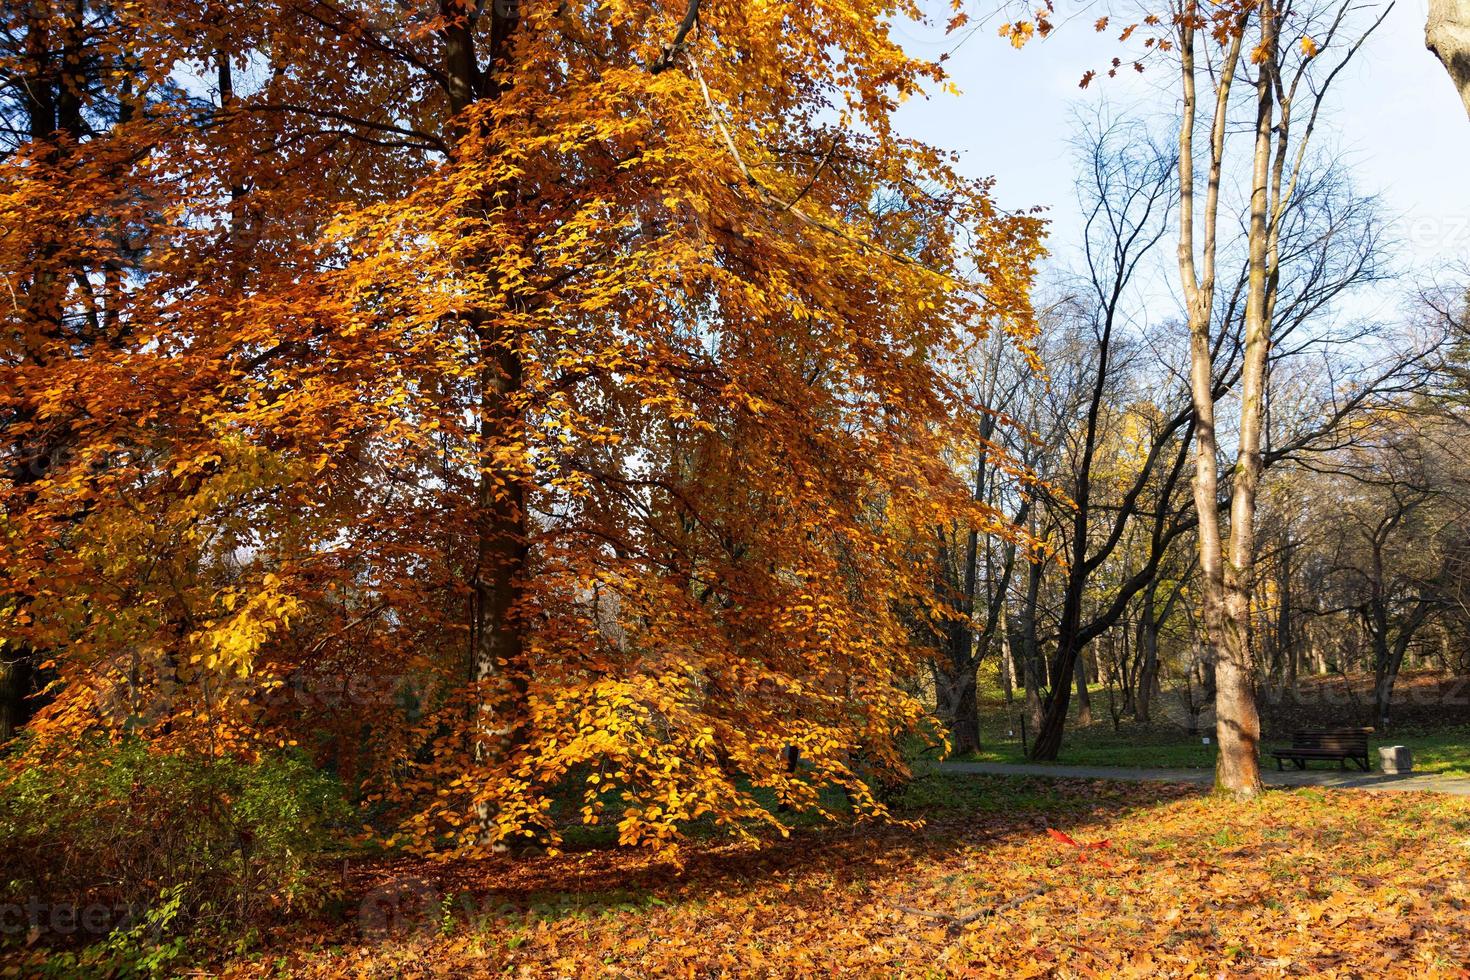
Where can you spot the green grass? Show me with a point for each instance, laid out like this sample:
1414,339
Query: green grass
1167,746
938,794
1099,745
1444,751
1136,747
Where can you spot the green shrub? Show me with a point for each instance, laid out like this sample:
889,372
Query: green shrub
136,949
235,839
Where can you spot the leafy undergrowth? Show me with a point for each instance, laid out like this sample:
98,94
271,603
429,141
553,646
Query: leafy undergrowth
1296,883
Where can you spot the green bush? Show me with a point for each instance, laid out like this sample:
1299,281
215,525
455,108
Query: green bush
134,949
231,840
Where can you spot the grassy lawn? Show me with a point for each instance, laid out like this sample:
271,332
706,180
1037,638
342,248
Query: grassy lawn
1446,751
1436,749
1296,883
1098,745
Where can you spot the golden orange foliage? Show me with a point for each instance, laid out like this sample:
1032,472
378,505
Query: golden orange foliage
502,402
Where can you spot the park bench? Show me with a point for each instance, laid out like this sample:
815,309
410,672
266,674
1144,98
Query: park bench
1340,744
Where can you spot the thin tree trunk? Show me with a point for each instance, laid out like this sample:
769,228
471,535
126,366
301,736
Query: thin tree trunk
1084,697
1126,662
14,681
1223,601
1284,653
965,727
1293,664
1023,638
1237,722
1148,658
1008,672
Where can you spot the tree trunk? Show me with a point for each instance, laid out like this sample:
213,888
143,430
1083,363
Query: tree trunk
1061,678
963,713
954,678
1148,660
1022,634
1293,664
1222,610
1008,670
1388,657
1285,656
1084,698
15,682
1237,722
1447,34
497,650
962,653
1385,673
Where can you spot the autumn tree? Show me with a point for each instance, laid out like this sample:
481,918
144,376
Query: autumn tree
86,97
559,388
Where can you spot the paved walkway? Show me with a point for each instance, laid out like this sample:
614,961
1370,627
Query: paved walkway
1331,778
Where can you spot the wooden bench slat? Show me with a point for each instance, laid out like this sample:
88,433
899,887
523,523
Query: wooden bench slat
1341,744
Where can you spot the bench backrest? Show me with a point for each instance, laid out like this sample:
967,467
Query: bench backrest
1354,741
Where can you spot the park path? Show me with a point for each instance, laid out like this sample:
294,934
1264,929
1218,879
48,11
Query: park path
1422,782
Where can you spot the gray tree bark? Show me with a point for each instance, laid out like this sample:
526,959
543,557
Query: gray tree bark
1447,34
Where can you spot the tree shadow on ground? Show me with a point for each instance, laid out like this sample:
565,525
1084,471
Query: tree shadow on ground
397,894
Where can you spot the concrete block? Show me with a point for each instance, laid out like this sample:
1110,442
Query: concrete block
1395,759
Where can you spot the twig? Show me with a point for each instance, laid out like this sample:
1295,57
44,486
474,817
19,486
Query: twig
671,51
772,201
351,625
957,923
812,182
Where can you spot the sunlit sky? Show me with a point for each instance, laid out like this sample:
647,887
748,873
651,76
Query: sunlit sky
1394,117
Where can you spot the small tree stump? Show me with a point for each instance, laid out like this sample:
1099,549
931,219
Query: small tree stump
1395,759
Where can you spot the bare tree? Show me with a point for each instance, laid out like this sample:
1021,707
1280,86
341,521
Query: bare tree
1284,57
1128,193
974,571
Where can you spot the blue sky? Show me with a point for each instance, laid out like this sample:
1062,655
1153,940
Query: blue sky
1395,117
